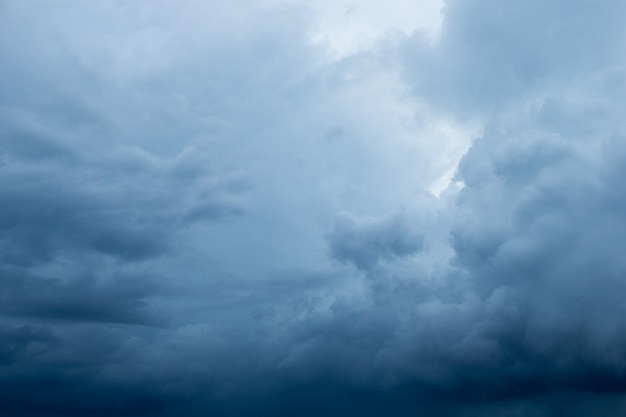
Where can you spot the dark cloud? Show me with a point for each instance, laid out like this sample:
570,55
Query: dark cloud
541,236
124,203
162,216
87,298
22,342
366,241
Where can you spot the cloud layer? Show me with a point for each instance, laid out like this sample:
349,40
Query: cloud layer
205,211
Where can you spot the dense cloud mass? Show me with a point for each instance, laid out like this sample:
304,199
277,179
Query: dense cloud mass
207,210
364,242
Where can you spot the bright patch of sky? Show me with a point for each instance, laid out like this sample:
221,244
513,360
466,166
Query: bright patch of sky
348,27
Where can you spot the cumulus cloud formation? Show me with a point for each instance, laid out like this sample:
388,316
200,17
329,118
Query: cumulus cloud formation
366,241
245,210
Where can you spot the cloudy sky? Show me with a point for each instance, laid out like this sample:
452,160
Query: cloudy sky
312,208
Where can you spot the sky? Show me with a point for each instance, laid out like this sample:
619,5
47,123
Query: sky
312,208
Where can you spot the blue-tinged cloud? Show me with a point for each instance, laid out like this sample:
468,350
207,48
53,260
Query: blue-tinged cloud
202,213
366,241
488,52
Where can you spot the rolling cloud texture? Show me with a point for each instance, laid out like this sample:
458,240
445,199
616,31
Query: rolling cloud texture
203,214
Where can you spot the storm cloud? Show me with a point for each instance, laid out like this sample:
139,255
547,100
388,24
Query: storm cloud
243,210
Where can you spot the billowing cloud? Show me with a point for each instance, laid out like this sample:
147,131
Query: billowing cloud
366,241
488,54
229,209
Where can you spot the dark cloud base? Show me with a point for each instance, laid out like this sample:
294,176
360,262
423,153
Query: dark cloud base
58,397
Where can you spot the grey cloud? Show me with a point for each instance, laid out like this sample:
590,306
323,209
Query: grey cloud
24,342
538,236
532,308
120,293
364,241
124,203
488,53
97,298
